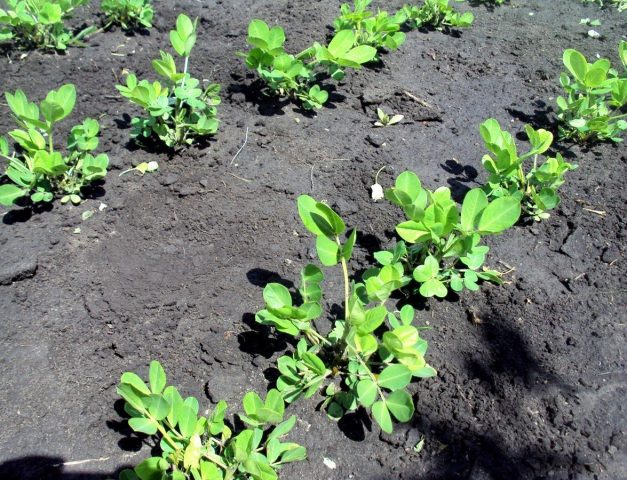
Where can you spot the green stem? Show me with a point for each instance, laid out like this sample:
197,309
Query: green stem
346,283
370,374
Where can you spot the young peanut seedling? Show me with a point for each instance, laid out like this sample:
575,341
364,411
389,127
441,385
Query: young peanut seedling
536,189
371,354
296,76
441,243
596,95
179,110
437,14
38,169
385,120
128,14
38,24
379,30
195,447
620,4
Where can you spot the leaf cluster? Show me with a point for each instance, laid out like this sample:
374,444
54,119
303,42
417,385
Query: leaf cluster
536,188
371,354
38,168
297,76
197,447
596,95
128,14
437,14
441,243
39,24
379,30
179,109
620,4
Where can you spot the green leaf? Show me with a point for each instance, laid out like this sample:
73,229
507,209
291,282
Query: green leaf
328,251
433,287
152,468
401,405
366,392
499,215
311,277
381,415
475,202
394,377
137,383
64,97
318,218
9,193
347,249
341,43
360,55
143,425
156,377
277,296
186,419
576,63
159,407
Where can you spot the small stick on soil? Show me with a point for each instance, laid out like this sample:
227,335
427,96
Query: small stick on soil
240,178
602,213
240,148
419,100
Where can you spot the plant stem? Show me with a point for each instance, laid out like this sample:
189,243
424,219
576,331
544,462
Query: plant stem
346,283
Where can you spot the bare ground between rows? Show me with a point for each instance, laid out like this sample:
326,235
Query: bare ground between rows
531,375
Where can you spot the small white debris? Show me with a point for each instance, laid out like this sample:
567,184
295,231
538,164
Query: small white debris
102,206
531,14
594,34
329,463
377,192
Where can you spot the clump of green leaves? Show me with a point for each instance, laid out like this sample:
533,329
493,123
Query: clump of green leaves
620,4
297,76
379,30
38,168
196,447
371,354
596,96
179,110
39,24
437,14
537,188
441,242
128,14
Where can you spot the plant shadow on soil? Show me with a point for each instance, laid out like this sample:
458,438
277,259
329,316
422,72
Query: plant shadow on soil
40,467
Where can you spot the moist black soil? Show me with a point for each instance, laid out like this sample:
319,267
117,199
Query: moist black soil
171,265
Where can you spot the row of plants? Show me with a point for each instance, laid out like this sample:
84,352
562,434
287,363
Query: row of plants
372,352
40,24
368,357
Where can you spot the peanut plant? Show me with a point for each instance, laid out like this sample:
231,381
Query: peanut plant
38,169
128,14
297,76
436,14
379,30
180,111
39,24
441,243
537,188
371,354
196,447
596,96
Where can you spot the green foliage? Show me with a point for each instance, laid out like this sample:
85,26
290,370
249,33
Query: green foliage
371,354
620,4
295,76
128,14
38,169
39,24
195,447
385,120
536,189
596,96
379,30
179,110
441,242
437,14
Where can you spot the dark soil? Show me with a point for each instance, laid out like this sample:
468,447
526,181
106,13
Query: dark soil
532,376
